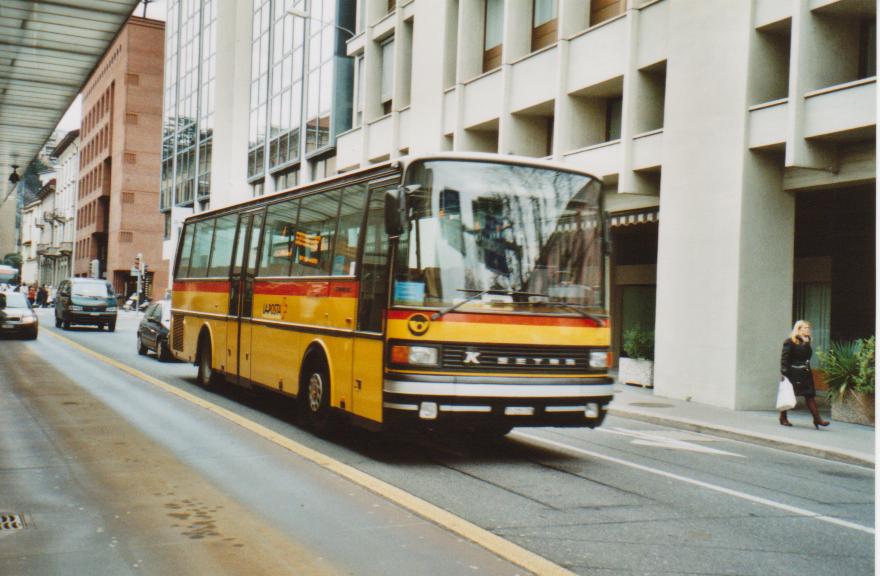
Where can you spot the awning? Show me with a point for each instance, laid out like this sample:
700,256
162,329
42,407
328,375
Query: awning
632,217
47,52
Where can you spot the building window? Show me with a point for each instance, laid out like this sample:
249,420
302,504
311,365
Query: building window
613,113
257,188
286,180
492,34
386,93
358,91
868,49
544,23
602,10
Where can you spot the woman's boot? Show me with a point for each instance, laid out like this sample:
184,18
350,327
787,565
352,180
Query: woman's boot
814,410
783,418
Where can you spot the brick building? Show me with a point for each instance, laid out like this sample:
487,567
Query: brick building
119,160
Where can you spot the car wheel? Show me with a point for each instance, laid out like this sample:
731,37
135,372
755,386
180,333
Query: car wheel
314,399
162,351
32,335
142,349
207,378
112,326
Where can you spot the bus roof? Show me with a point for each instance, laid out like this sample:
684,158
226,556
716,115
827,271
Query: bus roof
400,164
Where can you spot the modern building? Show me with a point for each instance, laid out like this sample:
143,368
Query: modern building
119,167
736,140
66,155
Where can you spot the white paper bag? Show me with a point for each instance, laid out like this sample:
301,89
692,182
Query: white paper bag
785,399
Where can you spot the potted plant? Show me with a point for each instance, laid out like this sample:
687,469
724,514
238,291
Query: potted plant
849,374
637,364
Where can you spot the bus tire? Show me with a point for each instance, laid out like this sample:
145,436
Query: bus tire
314,398
206,377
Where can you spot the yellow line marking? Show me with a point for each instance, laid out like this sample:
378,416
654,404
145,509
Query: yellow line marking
495,544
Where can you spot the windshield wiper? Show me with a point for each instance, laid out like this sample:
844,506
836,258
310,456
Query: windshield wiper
471,298
577,309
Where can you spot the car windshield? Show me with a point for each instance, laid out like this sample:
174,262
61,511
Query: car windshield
92,289
489,235
13,300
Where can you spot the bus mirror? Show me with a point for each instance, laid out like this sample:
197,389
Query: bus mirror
393,210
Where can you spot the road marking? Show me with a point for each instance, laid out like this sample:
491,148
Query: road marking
716,488
660,441
491,542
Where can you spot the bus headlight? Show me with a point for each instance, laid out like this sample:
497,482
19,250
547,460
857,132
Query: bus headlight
598,359
416,355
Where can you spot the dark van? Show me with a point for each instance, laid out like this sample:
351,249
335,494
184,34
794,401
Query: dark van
85,301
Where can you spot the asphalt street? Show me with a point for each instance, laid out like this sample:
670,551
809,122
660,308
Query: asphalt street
628,498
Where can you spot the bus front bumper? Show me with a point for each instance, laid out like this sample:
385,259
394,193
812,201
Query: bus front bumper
441,401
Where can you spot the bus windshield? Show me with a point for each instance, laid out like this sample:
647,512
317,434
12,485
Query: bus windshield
494,237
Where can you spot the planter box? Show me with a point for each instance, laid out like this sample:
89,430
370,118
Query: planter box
856,408
636,372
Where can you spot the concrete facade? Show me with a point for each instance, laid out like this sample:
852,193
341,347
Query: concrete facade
727,121
120,160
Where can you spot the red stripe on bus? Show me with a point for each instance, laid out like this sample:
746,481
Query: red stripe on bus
319,289
488,318
202,286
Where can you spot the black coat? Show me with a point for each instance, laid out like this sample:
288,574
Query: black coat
796,366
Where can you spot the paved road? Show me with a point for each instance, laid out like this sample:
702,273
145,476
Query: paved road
629,498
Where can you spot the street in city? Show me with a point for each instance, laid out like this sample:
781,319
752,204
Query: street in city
116,463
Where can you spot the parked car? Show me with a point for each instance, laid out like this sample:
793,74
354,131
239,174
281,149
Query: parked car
152,333
16,316
85,301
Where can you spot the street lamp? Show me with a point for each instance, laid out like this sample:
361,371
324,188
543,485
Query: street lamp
297,13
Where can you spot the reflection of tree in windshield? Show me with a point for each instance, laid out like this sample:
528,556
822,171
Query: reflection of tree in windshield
518,229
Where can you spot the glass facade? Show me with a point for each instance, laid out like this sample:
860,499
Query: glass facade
188,112
297,61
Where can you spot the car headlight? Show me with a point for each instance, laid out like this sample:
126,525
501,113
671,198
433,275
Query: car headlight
416,355
599,359
111,308
76,307
28,319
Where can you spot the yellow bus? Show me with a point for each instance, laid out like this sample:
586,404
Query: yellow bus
450,290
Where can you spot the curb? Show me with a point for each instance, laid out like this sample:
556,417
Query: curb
846,456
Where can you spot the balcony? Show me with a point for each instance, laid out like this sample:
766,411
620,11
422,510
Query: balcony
603,159
843,112
41,249
65,247
767,124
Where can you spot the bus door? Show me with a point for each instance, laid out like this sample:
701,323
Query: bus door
372,304
241,297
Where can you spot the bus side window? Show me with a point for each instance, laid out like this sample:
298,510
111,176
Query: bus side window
374,265
278,238
182,270
204,236
221,253
351,215
315,230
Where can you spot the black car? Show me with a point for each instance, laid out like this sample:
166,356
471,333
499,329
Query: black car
16,316
85,301
153,330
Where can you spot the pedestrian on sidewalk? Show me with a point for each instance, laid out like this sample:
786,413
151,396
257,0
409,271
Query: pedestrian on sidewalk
796,354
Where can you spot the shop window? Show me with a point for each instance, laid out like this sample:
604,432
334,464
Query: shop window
812,302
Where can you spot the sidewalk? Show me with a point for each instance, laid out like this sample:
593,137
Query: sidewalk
852,443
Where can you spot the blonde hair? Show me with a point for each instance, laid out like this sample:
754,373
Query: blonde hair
797,327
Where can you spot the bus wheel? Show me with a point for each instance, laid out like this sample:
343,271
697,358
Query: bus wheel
315,397
207,378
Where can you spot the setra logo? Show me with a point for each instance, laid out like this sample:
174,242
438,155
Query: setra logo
418,324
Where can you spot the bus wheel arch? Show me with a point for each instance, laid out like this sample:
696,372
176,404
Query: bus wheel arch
207,376
313,398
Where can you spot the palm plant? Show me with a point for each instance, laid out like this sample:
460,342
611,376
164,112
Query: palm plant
849,367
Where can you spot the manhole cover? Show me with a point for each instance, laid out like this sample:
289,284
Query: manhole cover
650,405
11,522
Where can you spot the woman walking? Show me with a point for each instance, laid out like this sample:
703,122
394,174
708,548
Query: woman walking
796,353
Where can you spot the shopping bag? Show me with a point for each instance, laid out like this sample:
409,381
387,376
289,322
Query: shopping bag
785,399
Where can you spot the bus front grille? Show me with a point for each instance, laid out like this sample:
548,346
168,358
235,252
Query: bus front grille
503,358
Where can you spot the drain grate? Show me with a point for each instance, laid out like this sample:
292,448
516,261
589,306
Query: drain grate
11,522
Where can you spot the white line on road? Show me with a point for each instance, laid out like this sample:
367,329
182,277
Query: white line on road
721,489
658,441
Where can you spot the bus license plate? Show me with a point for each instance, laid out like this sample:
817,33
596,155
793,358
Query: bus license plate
519,411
